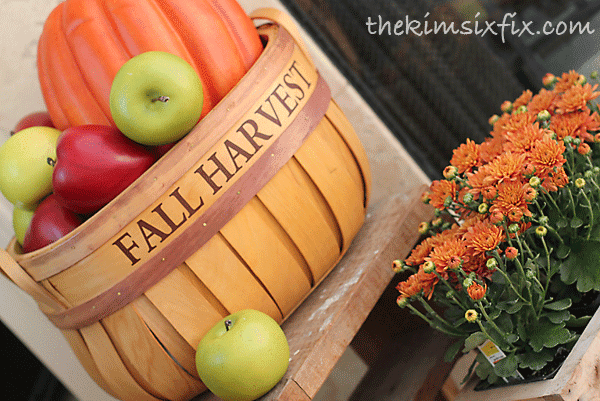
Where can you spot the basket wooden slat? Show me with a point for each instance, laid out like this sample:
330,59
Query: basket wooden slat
166,335
343,127
185,305
84,356
146,359
226,276
315,234
278,265
110,365
318,159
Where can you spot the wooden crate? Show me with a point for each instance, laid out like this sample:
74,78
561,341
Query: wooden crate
578,379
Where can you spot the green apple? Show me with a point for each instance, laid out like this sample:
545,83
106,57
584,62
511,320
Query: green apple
156,98
27,161
21,219
243,356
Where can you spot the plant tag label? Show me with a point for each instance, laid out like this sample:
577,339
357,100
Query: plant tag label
494,354
491,352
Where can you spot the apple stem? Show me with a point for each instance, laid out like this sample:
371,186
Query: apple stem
161,98
51,161
228,324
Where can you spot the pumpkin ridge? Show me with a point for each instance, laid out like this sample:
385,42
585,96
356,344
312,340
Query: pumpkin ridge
208,51
114,28
74,115
244,47
57,115
97,69
210,93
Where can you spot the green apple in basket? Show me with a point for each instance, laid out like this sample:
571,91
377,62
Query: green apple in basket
243,356
21,220
156,98
27,161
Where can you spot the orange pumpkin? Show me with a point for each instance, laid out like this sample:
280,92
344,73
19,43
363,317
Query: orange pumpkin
85,42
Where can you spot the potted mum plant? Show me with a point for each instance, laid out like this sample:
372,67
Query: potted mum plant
510,266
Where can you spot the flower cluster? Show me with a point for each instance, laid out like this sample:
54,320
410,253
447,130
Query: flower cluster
508,252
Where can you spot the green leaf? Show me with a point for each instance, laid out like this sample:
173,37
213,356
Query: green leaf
506,367
578,321
452,351
535,360
563,251
583,266
522,330
512,338
474,340
494,313
545,334
562,304
498,278
511,307
504,322
558,316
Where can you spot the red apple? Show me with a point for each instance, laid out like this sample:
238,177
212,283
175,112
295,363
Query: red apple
160,150
50,222
37,119
94,164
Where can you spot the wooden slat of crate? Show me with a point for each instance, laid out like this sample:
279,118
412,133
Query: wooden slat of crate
577,380
324,325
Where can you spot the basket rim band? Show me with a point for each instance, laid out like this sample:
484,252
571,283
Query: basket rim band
213,220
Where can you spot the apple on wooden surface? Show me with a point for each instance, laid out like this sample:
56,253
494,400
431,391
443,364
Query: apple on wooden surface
21,219
27,161
243,356
50,222
36,119
94,164
156,98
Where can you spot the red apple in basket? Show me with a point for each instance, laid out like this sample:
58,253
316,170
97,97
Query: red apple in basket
36,119
50,222
94,164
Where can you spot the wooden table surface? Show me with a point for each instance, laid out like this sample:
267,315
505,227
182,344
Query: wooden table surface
326,322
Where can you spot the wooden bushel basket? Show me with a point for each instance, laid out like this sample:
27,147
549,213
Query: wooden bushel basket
252,209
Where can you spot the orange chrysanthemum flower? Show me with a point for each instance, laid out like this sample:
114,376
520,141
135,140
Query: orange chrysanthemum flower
512,122
511,253
441,191
512,200
523,99
491,148
411,287
466,156
547,158
483,236
575,124
566,81
522,140
419,252
427,281
506,166
476,291
442,255
544,100
576,98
